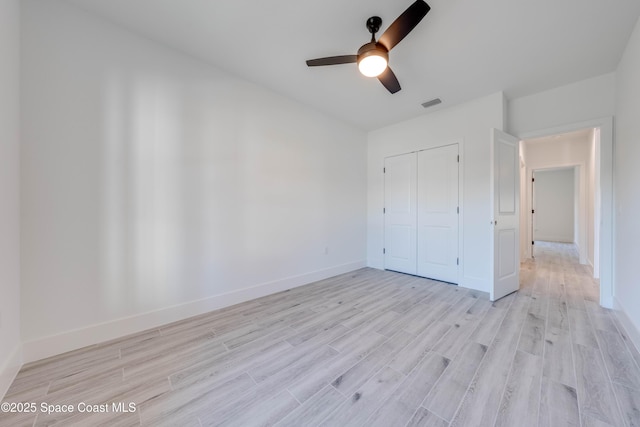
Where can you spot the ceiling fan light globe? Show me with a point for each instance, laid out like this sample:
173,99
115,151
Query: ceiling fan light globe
372,65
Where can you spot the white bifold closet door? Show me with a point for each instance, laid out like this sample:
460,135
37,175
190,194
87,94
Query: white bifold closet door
400,213
421,213
438,213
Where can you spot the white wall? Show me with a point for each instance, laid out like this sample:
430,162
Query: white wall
10,351
593,204
554,203
468,124
626,178
525,242
157,187
566,151
577,102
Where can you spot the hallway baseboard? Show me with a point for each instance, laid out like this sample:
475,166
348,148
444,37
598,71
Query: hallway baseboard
632,332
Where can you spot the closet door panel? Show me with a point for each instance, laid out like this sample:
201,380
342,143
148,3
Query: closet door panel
437,220
400,213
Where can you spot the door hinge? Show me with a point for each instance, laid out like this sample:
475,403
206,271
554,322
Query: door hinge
458,209
457,261
384,210
533,180
384,251
458,158
533,243
533,211
384,170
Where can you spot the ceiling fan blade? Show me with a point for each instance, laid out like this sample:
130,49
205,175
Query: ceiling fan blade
332,60
389,80
403,25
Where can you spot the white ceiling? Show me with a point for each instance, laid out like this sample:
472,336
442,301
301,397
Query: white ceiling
463,49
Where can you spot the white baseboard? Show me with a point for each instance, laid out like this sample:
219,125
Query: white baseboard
94,334
632,332
475,283
9,369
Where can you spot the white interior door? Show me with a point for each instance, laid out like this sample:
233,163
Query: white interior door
505,195
400,213
438,213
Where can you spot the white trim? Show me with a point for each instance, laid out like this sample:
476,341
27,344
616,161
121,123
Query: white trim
9,370
627,324
71,340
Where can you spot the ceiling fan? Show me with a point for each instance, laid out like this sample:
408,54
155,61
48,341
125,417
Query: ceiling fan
373,57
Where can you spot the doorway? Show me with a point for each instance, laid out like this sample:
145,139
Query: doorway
555,206
559,148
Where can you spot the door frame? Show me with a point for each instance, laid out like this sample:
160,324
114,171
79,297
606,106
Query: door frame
606,195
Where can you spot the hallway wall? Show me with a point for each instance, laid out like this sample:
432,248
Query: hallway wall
627,177
554,201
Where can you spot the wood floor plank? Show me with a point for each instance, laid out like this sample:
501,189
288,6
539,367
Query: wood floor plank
488,327
424,418
138,393
393,327
453,341
481,402
363,402
558,357
600,317
582,331
180,404
521,399
558,405
416,350
349,381
446,395
595,393
317,379
629,401
618,361
589,421
430,314
399,407
270,367
532,336
623,334
269,389
268,411
558,316
232,361
314,410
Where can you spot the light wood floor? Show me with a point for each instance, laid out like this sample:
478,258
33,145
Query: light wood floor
365,348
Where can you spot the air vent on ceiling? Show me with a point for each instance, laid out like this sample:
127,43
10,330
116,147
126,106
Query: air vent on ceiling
431,103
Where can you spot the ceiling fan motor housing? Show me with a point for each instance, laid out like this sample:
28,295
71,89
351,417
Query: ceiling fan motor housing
372,48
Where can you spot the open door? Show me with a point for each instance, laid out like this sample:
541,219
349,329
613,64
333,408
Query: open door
505,197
